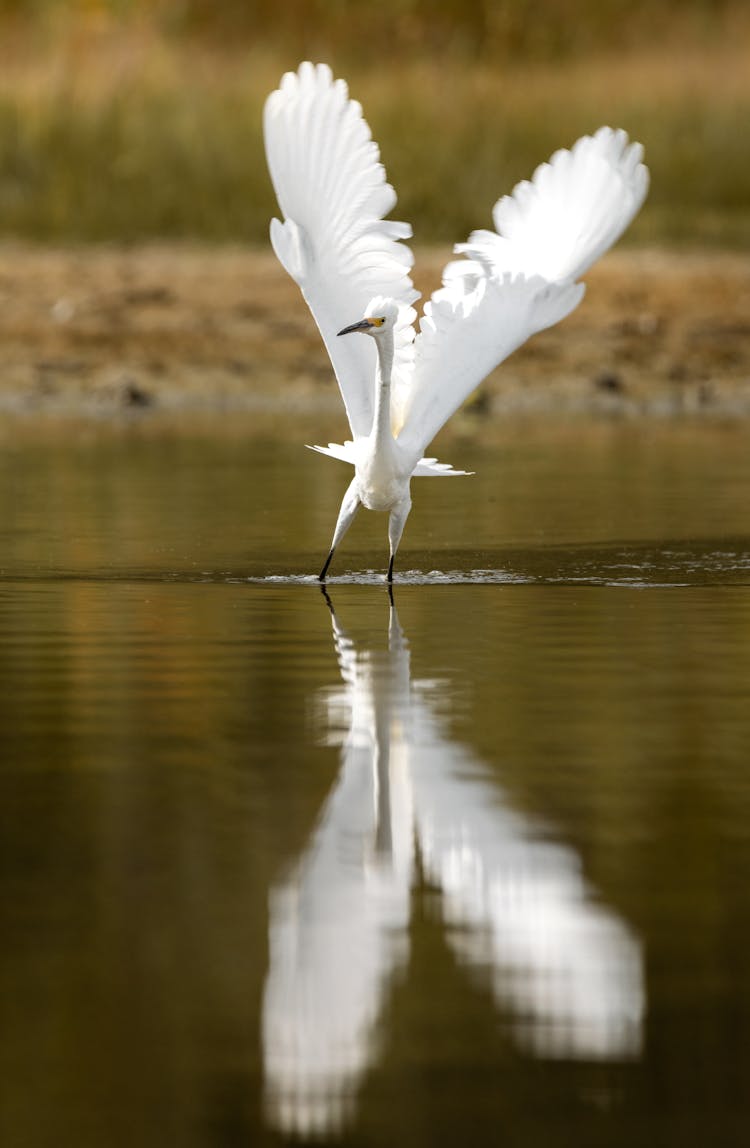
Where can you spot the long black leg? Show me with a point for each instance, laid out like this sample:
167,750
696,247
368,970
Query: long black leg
350,504
396,523
324,571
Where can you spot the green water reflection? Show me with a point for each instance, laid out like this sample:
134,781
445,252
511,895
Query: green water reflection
197,767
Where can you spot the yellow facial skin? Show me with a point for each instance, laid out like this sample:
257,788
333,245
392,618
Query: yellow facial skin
364,325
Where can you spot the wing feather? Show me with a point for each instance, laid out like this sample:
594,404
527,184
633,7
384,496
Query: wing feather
521,279
571,211
464,335
332,191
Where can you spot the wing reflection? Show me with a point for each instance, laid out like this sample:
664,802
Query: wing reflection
515,905
518,907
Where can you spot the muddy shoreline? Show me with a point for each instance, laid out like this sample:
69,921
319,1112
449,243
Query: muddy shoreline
171,331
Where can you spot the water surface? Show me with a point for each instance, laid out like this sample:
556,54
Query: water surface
471,866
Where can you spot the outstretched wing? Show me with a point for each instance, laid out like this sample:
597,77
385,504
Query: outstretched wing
334,242
464,334
520,280
572,210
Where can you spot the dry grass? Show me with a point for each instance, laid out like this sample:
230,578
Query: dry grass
112,130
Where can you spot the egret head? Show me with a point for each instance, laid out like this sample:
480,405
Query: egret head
381,316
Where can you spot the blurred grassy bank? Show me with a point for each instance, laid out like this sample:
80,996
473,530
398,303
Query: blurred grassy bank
127,120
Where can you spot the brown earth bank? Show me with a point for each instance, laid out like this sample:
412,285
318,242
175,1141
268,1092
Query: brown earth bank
167,330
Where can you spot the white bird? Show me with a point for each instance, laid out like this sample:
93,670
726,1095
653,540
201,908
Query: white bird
353,269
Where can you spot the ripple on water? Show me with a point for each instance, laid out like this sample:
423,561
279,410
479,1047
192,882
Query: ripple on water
632,567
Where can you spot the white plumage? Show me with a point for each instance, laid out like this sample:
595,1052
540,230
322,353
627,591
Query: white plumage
353,265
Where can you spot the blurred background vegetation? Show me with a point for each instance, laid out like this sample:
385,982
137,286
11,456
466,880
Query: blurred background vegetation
129,119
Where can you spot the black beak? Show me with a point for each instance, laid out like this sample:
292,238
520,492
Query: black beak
363,325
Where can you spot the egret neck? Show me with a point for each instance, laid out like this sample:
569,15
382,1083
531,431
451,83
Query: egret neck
380,476
382,435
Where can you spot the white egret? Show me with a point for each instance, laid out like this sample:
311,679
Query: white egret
353,269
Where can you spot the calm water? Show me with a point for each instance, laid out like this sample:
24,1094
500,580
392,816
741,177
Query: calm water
469,869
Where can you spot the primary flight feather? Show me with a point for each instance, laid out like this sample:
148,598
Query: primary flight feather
400,387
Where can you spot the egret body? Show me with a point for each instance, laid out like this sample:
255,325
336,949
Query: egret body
382,466
352,267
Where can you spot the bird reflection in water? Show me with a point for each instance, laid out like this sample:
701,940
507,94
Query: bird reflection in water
410,807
